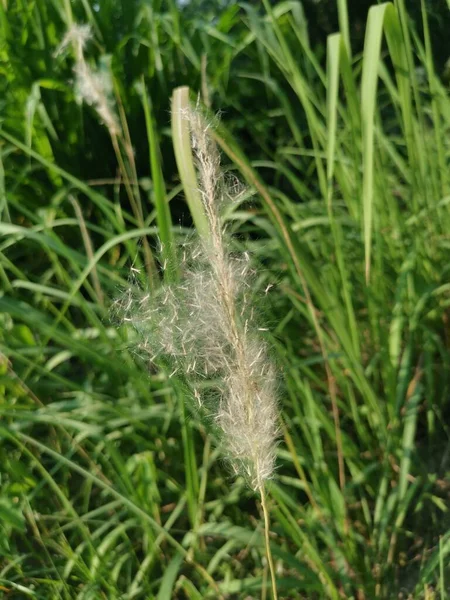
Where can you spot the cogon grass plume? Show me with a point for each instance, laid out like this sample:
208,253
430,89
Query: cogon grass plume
205,329
95,88
91,86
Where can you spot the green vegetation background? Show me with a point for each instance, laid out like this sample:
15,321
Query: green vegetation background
110,487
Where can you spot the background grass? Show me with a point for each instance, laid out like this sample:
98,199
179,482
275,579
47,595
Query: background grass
110,488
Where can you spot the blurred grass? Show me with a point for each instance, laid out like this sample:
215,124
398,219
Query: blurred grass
109,487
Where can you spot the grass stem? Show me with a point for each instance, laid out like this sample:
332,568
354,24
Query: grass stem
273,579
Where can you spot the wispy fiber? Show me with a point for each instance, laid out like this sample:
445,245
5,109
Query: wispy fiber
205,328
95,88
91,86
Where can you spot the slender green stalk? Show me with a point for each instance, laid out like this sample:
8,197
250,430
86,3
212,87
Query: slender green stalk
273,578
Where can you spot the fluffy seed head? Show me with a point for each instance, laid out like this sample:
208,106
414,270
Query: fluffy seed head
205,328
76,36
95,88
91,86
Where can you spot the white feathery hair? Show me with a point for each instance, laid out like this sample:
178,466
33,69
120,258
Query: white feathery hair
91,86
205,328
77,36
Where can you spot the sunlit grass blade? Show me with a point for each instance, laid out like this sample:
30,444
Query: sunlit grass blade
183,155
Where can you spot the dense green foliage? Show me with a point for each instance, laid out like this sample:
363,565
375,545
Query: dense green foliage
110,488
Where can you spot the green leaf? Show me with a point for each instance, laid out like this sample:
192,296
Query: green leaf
11,515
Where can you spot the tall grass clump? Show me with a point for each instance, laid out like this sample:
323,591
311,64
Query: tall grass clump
205,330
110,486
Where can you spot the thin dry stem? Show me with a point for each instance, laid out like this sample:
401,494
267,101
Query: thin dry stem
273,578
89,249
